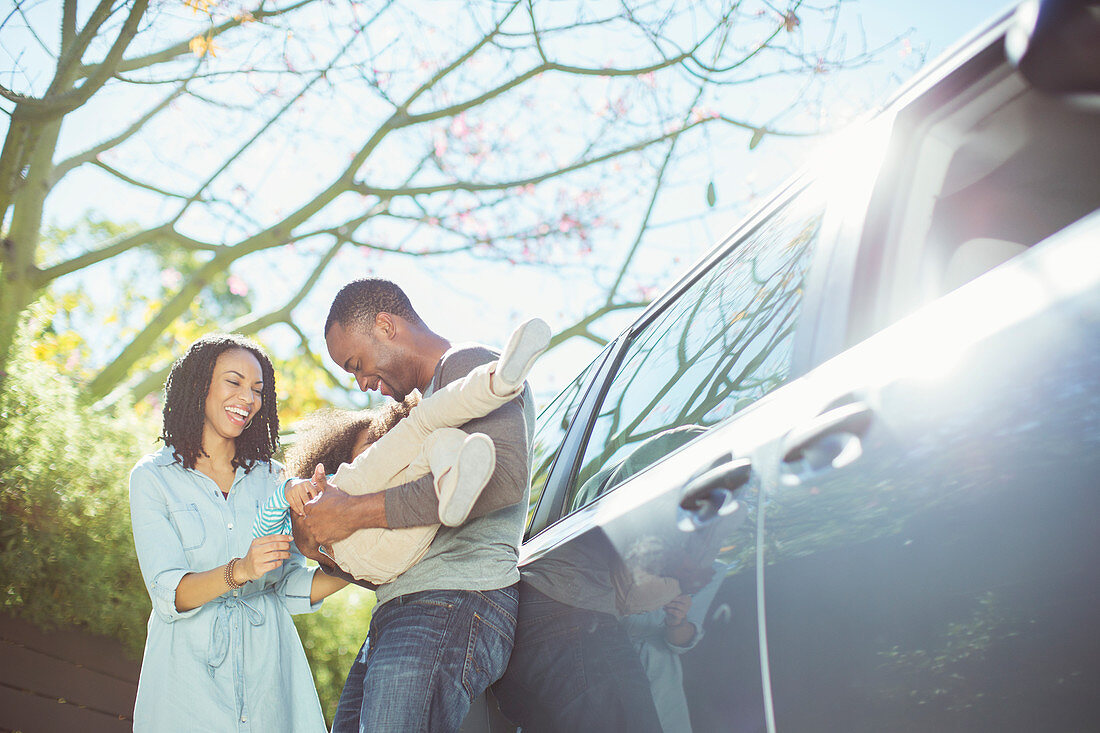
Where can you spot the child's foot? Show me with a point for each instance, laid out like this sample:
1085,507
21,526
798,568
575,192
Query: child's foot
528,341
460,487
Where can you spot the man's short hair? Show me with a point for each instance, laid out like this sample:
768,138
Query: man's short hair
359,302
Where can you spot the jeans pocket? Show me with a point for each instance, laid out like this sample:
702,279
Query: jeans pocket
444,599
503,602
487,653
550,663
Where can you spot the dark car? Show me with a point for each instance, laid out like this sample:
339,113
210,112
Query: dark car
845,474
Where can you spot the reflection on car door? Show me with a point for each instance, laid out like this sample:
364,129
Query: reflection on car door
639,609
943,576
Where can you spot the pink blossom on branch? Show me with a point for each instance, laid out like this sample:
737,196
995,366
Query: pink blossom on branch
237,286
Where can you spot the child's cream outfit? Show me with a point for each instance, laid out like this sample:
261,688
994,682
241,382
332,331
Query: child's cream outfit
427,440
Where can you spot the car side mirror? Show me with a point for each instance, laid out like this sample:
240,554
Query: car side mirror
1055,44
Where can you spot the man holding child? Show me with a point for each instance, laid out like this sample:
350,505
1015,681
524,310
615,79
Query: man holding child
442,631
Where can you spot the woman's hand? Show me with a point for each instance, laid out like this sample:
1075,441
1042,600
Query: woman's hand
676,610
264,554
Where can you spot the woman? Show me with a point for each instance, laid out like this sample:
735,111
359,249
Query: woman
222,652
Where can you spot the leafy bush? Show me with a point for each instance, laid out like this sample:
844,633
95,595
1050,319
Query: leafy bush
332,637
66,550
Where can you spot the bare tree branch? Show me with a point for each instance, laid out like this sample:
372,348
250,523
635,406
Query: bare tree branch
389,193
247,325
461,59
136,183
581,327
455,109
303,342
124,244
259,133
42,44
58,104
68,24
90,155
184,47
72,53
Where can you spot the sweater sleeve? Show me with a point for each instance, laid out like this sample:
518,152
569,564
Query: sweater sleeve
415,503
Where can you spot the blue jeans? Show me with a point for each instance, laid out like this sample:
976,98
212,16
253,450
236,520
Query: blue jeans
426,657
573,670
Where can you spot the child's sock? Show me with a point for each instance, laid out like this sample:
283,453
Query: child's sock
527,342
462,484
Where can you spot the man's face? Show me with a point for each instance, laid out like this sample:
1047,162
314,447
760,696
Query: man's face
373,358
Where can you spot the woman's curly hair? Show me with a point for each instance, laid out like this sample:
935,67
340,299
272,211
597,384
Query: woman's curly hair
329,436
185,394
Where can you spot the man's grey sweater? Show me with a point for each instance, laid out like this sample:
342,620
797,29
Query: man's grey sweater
481,554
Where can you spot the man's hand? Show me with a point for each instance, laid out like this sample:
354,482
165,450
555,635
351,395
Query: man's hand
307,545
334,514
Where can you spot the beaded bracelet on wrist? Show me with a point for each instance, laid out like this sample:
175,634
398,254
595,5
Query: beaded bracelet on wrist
229,574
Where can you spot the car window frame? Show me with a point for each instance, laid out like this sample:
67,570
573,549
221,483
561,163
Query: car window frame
548,508
562,473
863,271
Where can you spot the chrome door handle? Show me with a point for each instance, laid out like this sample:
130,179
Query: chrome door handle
831,440
710,494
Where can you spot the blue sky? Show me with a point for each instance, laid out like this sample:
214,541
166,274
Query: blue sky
468,299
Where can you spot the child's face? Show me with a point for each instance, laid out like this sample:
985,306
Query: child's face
362,442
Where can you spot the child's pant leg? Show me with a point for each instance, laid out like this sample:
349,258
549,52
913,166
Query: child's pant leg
380,555
449,407
441,449
455,404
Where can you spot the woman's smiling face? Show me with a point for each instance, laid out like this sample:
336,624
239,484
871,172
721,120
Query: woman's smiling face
235,393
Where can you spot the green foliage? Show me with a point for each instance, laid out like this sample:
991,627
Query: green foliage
332,637
66,550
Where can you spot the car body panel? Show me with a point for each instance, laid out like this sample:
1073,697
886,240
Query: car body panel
911,543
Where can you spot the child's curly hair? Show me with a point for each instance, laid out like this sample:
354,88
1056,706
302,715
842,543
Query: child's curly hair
328,436
185,394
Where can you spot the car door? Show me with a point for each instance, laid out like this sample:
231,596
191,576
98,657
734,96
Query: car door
930,528
931,539
652,521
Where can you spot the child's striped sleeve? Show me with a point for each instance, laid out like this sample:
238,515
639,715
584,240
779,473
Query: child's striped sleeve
274,514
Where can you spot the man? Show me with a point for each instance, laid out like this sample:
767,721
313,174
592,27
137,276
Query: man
442,632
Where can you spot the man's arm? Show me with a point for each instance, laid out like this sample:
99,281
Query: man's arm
335,514
307,545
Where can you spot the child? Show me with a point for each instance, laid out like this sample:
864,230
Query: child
426,440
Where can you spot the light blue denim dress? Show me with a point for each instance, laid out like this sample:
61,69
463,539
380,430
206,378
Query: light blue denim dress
235,663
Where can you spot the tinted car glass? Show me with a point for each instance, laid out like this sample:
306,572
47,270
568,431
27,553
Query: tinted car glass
553,424
720,346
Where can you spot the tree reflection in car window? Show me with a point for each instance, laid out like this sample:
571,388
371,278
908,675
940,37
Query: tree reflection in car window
553,423
723,344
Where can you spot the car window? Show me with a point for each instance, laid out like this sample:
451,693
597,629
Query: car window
999,169
550,430
724,343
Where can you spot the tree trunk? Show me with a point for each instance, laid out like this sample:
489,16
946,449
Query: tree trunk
32,149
